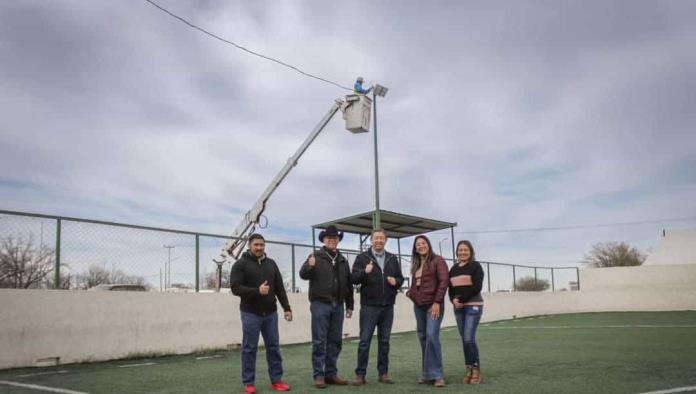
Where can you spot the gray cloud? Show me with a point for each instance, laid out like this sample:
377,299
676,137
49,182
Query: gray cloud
499,115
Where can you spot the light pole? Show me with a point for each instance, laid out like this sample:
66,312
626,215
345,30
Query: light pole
380,91
168,268
439,244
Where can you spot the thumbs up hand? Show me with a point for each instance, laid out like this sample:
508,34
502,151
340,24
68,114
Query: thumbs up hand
312,260
263,289
370,266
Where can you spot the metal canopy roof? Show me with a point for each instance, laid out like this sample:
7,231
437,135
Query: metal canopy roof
398,225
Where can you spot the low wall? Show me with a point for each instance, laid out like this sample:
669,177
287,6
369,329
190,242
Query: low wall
81,326
646,278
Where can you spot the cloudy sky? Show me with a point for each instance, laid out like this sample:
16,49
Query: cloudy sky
500,115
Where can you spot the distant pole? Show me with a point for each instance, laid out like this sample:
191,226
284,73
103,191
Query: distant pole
56,278
168,271
439,244
376,220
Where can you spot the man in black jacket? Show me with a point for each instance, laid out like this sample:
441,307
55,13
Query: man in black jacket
329,288
255,278
378,273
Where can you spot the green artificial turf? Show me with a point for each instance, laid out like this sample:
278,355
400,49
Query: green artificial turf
624,352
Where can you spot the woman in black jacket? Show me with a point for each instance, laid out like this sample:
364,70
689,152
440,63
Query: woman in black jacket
466,281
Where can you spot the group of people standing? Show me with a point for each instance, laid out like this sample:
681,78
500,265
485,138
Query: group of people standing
255,278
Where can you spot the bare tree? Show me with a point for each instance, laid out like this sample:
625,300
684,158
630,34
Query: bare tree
528,283
97,275
211,279
22,264
613,254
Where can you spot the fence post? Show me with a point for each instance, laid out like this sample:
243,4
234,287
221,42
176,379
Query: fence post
488,275
198,266
56,279
577,276
514,279
292,249
553,287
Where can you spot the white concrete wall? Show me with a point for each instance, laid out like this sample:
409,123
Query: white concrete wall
91,326
676,247
636,278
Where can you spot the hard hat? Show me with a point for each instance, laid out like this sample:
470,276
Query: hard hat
360,79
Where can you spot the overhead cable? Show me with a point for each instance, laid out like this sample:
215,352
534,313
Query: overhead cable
576,227
282,63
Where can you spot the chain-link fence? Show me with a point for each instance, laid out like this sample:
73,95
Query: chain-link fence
52,252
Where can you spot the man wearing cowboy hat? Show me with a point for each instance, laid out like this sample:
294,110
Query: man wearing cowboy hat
330,287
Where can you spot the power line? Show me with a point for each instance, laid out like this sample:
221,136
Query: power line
576,227
245,49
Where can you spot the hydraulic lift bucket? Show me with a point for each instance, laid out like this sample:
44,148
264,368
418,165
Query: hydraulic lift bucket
357,114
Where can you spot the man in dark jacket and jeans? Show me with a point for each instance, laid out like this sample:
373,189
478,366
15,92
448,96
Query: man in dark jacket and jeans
378,273
257,281
329,288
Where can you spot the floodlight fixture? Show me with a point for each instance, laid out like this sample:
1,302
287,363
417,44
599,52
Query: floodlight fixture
380,90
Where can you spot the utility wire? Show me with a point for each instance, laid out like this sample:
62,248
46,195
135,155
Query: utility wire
245,49
575,227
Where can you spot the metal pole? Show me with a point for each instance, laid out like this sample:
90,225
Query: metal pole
398,245
514,280
553,286
168,271
314,237
376,220
56,278
454,250
535,276
488,275
197,264
577,275
292,249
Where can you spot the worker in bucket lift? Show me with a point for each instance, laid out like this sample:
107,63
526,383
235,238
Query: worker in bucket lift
358,87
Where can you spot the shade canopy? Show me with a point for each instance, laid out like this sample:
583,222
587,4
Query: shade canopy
397,225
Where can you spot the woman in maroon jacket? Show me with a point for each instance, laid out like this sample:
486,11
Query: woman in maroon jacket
429,282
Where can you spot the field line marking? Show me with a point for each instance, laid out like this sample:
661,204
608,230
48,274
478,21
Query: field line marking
43,388
491,327
674,390
136,365
41,373
208,357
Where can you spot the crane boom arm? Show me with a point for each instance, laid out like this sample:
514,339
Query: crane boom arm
246,227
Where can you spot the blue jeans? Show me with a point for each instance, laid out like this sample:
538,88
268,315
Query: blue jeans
381,317
429,336
467,321
327,337
252,326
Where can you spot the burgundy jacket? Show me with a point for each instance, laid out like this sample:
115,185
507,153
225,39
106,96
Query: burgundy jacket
434,283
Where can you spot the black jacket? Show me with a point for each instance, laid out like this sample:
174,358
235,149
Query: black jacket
374,288
328,282
247,274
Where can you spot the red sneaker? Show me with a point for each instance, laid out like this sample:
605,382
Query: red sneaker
280,386
249,389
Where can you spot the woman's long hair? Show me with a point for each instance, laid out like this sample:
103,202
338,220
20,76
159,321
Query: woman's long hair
472,257
416,259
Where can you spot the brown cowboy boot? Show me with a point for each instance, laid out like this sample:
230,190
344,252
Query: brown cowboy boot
319,383
467,376
359,380
475,375
385,378
336,380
